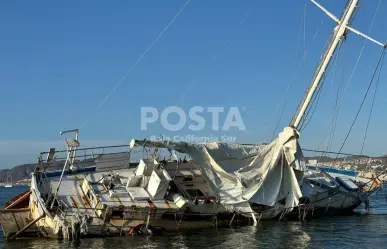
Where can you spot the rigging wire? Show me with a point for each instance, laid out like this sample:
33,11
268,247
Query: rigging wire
317,96
306,2
372,106
350,77
306,50
360,54
193,82
336,109
313,106
296,66
376,88
134,65
380,64
339,103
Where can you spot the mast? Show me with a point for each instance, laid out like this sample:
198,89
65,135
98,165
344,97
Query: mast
9,177
338,33
8,182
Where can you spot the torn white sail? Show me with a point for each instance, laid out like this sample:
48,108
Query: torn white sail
239,174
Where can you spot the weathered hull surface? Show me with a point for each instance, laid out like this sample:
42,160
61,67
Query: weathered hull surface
326,204
13,220
119,226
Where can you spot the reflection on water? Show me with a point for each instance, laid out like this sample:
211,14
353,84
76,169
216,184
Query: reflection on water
357,231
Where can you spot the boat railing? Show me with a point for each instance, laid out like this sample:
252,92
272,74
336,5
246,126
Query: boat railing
46,182
89,149
45,186
52,161
55,160
62,208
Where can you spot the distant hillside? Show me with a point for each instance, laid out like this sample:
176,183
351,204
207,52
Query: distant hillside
18,173
24,171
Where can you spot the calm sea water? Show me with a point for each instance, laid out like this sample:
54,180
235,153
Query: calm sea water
357,231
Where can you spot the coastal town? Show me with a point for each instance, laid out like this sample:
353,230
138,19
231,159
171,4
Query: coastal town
23,182
354,163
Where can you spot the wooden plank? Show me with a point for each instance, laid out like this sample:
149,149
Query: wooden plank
12,220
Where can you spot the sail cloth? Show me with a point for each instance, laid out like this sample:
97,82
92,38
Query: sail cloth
271,176
239,174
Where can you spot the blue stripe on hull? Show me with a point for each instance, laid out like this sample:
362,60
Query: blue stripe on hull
336,171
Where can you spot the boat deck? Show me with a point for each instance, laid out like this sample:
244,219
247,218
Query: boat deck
72,195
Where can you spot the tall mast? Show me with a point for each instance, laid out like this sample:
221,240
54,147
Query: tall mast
338,33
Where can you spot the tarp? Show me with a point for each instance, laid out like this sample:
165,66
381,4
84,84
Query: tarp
239,174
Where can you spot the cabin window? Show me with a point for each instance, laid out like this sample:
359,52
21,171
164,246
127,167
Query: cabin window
194,192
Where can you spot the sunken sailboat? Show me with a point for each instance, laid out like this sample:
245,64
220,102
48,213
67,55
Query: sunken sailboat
222,184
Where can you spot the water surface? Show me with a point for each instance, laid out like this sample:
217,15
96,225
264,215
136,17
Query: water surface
357,231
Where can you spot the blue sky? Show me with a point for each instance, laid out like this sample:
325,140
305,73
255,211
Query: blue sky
58,61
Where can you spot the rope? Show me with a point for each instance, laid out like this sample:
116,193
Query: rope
134,65
380,63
